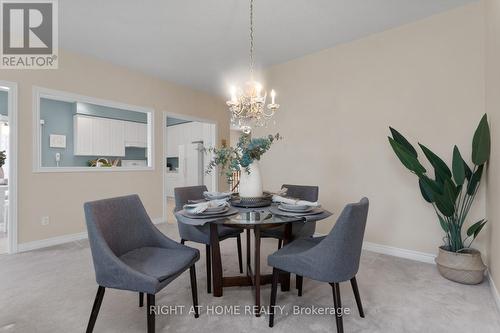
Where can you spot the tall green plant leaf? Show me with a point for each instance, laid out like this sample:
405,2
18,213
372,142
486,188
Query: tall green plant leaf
474,180
476,228
408,160
444,204
436,162
458,167
481,142
468,171
426,191
450,192
399,138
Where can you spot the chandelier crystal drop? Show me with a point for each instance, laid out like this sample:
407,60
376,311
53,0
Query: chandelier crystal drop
247,105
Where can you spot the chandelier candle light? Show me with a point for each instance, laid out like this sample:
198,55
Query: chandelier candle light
248,105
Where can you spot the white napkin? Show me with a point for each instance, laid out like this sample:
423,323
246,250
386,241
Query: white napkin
290,201
208,194
198,208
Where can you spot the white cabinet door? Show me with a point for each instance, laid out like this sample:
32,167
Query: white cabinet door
116,137
136,134
82,135
196,131
95,136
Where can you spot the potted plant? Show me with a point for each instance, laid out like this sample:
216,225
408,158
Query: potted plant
3,157
451,194
246,156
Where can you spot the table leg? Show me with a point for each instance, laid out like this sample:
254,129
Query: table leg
216,261
248,252
285,281
257,270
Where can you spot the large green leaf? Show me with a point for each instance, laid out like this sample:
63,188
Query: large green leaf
450,191
474,180
481,142
430,185
399,138
438,164
468,171
458,167
445,206
442,197
408,160
426,191
476,228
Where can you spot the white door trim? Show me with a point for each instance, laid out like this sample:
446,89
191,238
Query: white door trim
215,173
11,88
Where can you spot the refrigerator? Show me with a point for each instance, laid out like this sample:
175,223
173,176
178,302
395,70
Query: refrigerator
191,163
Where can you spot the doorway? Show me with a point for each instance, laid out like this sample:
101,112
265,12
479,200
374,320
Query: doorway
185,161
8,167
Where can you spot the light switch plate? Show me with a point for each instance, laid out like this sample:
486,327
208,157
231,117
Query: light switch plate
57,141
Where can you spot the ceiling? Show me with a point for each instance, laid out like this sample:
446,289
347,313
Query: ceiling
204,43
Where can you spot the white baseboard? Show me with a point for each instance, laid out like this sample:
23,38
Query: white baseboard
395,251
399,252
494,291
39,244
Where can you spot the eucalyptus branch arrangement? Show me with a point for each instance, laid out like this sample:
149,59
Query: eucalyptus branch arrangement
451,192
233,159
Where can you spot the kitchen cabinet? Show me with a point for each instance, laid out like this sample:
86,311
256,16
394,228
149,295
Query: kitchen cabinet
95,136
136,134
82,132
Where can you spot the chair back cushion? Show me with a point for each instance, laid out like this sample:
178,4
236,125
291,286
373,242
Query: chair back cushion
122,223
341,248
184,194
302,192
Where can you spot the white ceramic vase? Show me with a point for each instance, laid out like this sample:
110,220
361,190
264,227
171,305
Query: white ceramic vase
251,184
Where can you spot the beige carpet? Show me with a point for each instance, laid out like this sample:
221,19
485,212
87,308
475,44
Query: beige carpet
52,290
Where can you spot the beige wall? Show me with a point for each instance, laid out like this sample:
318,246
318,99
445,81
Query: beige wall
425,79
61,195
493,107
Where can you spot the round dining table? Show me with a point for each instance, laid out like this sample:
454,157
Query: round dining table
255,219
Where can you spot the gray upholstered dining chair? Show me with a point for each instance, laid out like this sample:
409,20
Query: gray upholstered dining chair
201,234
333,258
299,229
130,253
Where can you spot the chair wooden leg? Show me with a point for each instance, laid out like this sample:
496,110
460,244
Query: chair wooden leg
183,241
298,284
95,308
274,290
355,289
280,243
150,313
209,269
194,289
141,300
338,307
240,259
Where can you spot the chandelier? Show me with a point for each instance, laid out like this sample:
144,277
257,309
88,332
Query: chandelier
248,104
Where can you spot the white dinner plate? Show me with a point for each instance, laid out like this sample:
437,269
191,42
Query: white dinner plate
295,208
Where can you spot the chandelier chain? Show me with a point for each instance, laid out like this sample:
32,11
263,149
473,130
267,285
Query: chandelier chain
251,39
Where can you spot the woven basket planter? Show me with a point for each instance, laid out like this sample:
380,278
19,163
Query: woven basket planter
465,267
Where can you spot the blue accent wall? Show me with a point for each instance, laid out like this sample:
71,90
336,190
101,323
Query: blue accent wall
175,121
107,112
58,119
4,107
